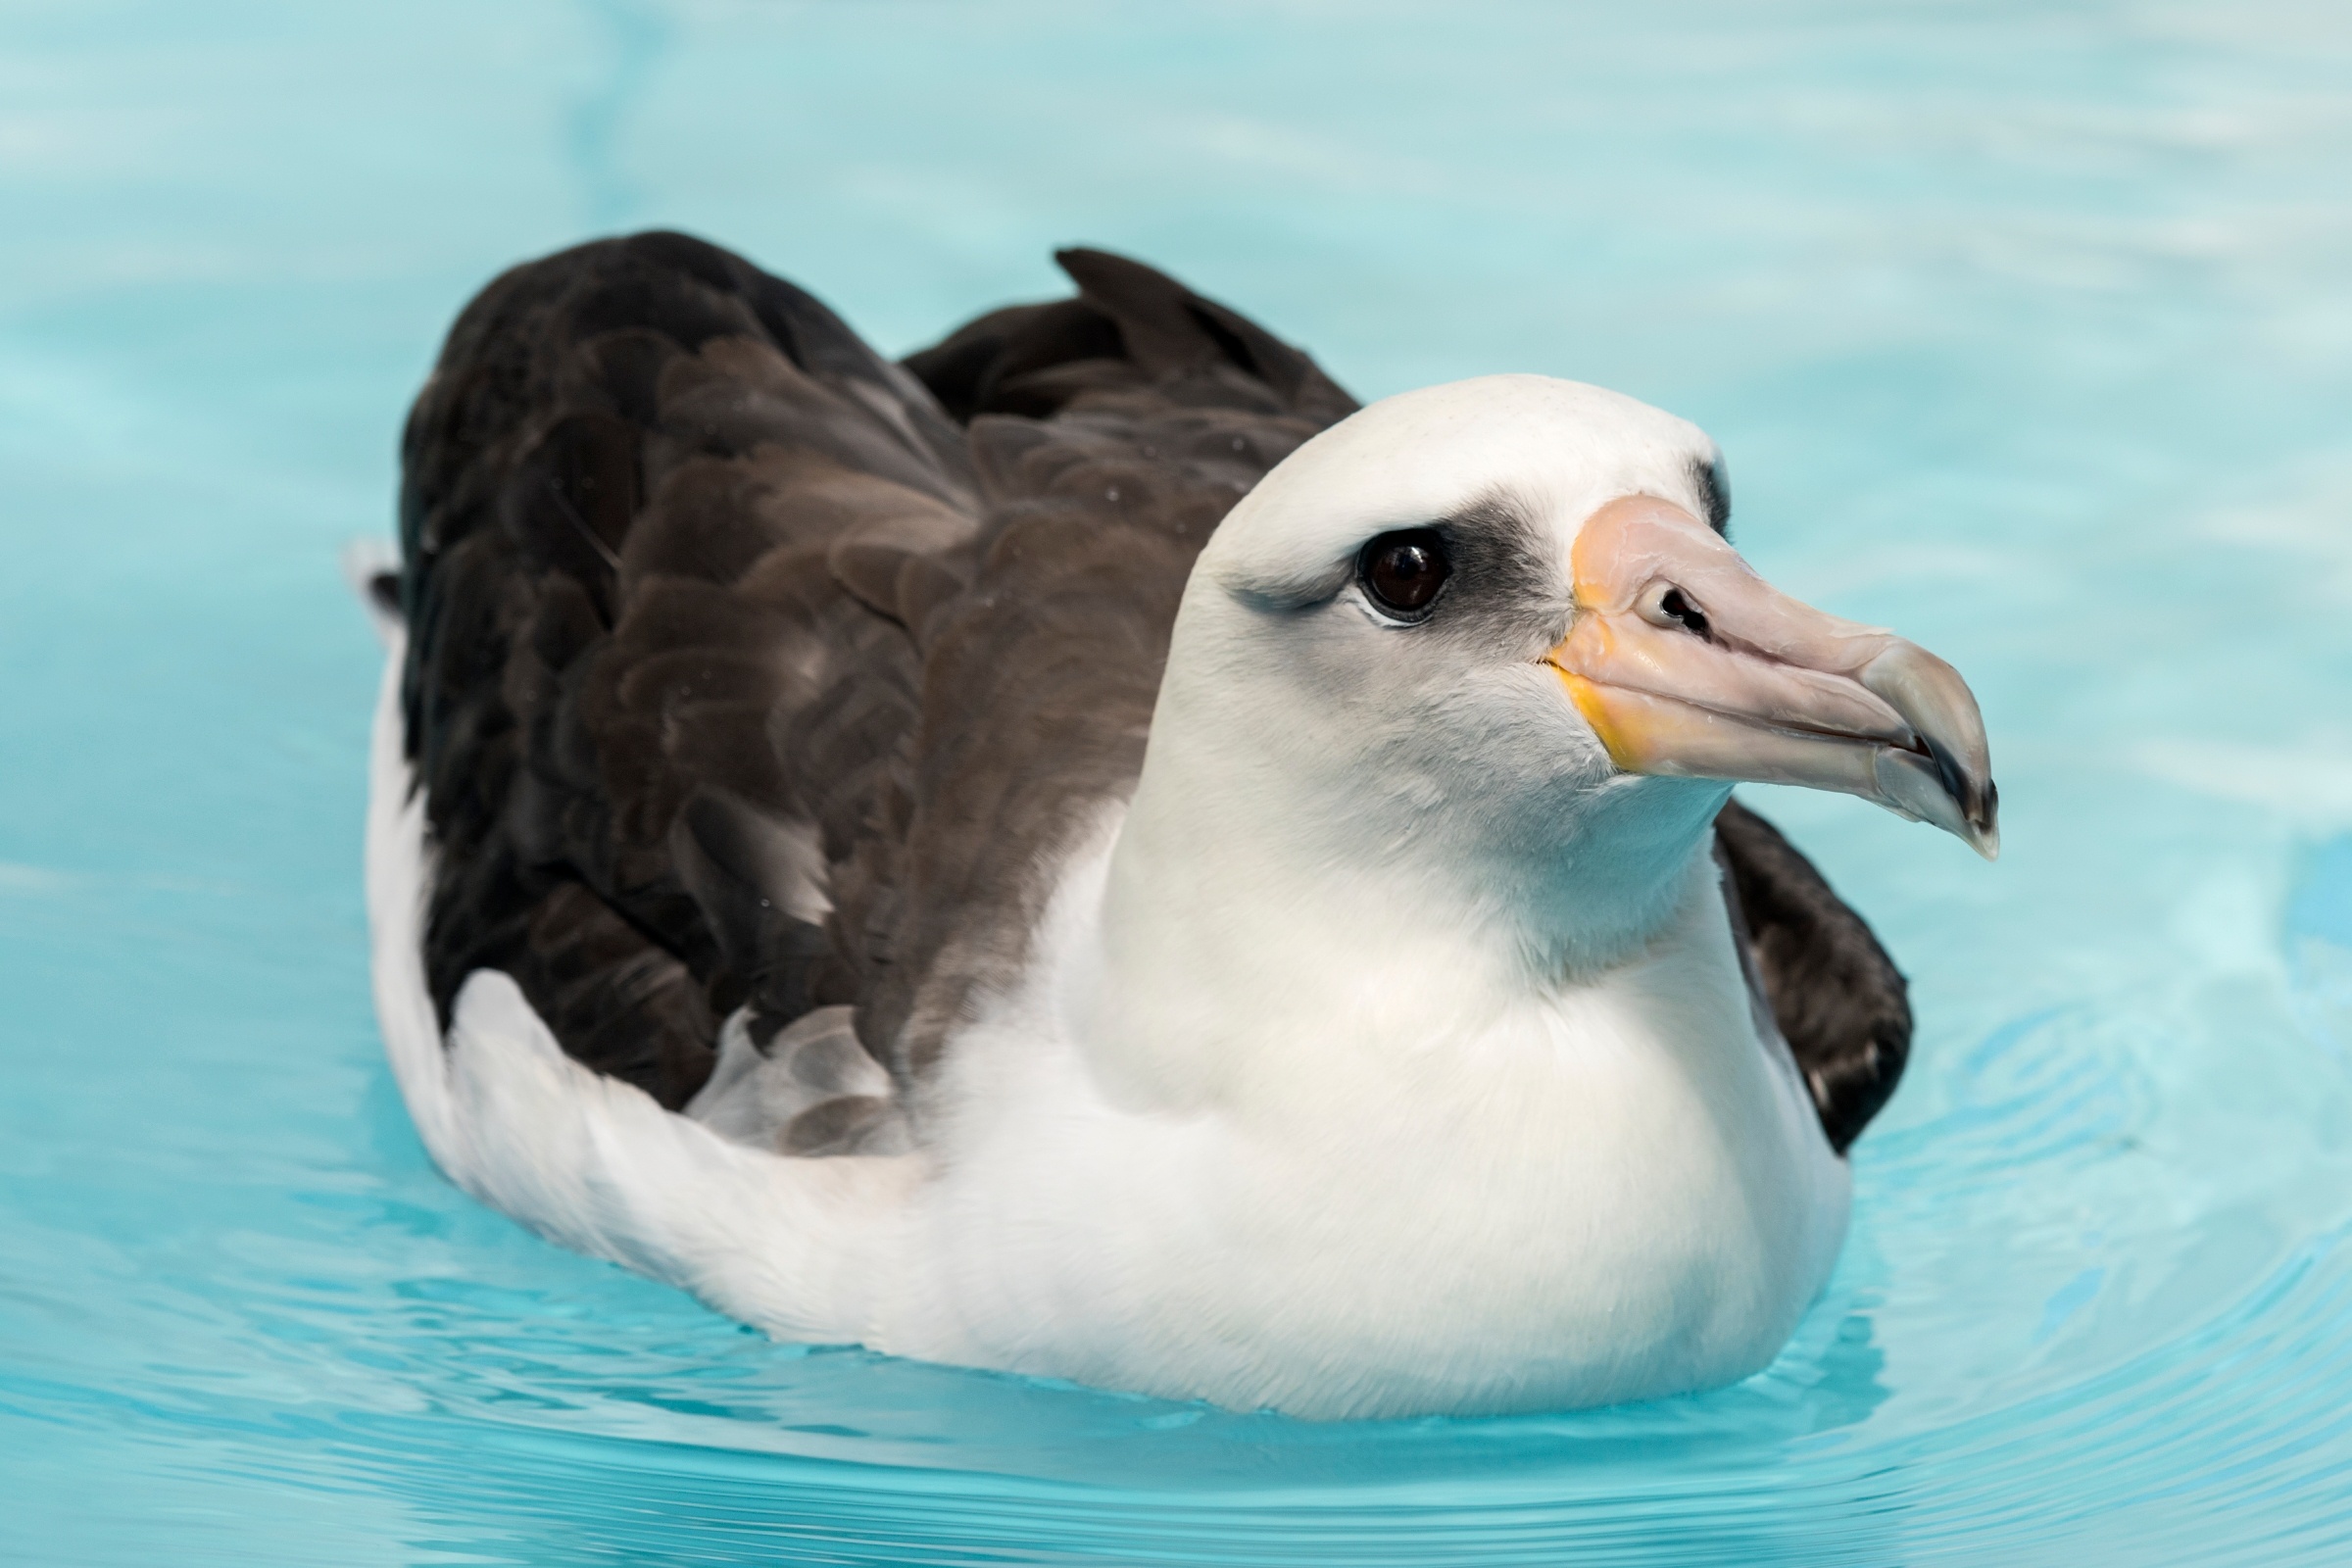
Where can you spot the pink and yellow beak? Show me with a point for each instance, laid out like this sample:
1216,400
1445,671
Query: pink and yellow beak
1685,663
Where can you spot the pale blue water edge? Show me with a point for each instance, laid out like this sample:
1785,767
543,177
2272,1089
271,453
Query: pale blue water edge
2026,329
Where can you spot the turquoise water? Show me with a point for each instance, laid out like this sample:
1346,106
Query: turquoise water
2028,329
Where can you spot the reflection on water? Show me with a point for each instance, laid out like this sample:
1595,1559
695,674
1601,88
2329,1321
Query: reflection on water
2319,943
2023,328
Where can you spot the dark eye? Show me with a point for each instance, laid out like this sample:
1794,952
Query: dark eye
1402,571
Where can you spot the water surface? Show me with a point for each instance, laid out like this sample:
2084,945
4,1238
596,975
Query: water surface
2025,329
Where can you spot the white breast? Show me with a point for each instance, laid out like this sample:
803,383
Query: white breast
1618,1193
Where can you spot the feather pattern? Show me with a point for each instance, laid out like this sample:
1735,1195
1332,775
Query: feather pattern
756,686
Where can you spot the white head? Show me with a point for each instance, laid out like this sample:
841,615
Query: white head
1477,653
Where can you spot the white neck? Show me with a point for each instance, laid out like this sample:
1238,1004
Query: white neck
1268,889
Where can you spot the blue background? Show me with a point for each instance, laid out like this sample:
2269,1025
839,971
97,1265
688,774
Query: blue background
2025,329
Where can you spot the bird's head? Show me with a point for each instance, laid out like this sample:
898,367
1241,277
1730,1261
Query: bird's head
1490,636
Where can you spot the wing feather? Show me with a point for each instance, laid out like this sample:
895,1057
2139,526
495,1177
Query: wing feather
637,693
1842,1003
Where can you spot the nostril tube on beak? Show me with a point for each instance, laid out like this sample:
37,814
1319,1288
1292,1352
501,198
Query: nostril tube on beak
1666,605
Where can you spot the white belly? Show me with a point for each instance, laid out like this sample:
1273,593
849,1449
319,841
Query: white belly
1619,1196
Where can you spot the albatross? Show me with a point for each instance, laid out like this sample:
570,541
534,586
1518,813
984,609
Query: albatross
1086,852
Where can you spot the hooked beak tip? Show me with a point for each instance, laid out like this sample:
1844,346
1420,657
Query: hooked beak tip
1944,720
1985,824
1935,788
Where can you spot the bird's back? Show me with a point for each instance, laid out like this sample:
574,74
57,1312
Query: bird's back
749,670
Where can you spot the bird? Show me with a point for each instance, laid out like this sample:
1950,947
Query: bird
1084,852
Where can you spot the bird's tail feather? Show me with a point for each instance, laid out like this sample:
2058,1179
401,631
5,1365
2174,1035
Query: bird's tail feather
372,567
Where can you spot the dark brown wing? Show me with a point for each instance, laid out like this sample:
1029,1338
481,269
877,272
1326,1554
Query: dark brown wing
657,511
1839,998
1112,433
738,675
747,668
